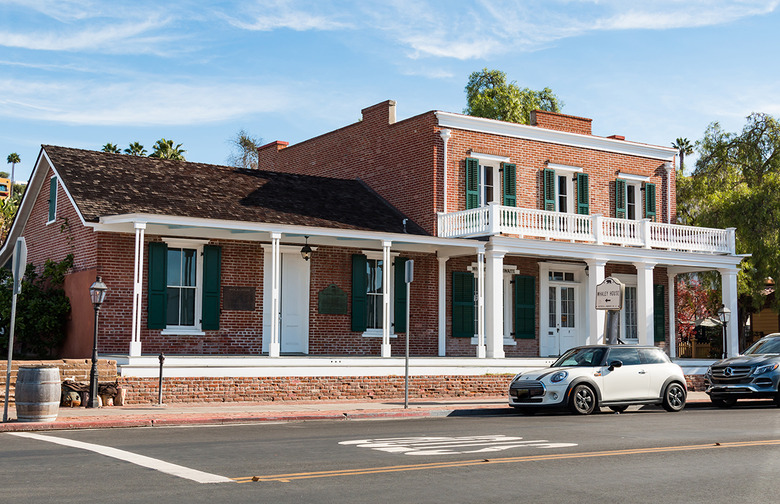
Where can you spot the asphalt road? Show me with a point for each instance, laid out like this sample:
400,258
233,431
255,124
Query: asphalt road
648,455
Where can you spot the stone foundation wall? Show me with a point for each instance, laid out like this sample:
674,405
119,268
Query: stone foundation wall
75,369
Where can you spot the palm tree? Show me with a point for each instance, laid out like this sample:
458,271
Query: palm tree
684,147
12,159
109,147
164,149
136,149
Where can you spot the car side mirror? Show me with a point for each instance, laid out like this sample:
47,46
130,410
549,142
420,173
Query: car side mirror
615,364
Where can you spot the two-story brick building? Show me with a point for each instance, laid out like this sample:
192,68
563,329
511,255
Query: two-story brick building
510,227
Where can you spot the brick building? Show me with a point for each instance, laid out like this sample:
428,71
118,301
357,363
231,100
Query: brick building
511,228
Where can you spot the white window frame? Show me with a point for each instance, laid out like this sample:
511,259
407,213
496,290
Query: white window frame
627,281
568,173
56,191
197,245
636,182
378,255
508,291
492,163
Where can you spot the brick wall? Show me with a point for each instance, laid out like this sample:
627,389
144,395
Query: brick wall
74,369
561,122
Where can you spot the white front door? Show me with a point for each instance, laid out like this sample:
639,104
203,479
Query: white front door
561,332
294,304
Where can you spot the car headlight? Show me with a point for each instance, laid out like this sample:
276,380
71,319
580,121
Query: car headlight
559,376
765,369
708,373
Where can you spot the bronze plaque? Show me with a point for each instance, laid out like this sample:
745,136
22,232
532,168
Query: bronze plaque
238,298
332,301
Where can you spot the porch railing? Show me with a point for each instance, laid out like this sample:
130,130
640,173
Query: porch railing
528,222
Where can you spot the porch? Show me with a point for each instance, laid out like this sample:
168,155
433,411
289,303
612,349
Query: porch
495,219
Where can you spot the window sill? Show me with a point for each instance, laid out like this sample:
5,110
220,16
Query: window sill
376,333
507,341
182,332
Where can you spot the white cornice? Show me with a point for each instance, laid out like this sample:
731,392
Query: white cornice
535,133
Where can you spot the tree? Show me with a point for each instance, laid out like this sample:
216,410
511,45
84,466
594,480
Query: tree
736,183
8,209
244,154
135,149
113,148
489,95
12,159
684,148
164,149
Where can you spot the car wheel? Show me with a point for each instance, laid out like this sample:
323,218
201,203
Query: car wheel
583,400
618,409
674,397
723,403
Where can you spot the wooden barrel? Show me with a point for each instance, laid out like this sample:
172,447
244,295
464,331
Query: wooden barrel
37,393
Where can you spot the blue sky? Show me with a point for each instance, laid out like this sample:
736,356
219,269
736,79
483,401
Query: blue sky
81,73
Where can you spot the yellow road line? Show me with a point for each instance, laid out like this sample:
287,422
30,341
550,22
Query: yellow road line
286,478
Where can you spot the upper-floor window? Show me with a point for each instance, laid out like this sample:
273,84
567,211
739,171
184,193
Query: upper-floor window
565,189
490,179
629,203
52,199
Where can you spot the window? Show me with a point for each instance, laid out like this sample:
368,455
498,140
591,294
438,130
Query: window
628,197
184,286
52,199
630,318
558,189
490,179
628,356
368,291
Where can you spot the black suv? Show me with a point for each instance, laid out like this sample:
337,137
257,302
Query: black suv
752,375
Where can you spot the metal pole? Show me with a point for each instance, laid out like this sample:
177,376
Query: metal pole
93,373
159,394
406,365
10,357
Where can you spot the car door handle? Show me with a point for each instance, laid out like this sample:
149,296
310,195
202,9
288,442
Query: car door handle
642,372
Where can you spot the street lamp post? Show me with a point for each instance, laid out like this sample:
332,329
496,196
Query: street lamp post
724,314
97,291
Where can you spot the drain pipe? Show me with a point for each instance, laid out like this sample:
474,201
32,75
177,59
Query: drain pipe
445,136
669,166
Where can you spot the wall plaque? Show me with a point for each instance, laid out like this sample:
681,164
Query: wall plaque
332,301
238,298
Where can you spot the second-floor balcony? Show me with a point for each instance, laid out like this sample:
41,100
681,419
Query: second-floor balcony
496,219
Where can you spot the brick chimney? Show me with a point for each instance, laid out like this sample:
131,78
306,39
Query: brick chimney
561,122
266,154
381,112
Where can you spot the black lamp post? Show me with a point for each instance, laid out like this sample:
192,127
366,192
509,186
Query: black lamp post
724,314
97,291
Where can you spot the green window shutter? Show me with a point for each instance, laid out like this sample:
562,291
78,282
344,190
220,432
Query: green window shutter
658,313
620,199
52,199
650,201
510,184
472,183
583,198
399,295
525,307
462,304
212,264
157,299
548,189
359,293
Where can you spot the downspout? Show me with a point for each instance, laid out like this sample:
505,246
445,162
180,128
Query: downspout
445,136
669,166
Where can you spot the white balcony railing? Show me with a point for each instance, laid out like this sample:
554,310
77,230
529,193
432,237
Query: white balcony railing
526,222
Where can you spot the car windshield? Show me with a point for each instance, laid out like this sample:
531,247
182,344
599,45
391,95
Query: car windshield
764,346
581,357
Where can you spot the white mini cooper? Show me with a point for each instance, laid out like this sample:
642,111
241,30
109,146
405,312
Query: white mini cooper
589,377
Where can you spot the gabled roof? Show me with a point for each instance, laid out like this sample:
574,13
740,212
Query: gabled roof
103,184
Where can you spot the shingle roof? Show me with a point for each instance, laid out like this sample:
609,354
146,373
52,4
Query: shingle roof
104,184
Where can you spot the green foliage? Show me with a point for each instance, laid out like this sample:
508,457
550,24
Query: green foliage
736,183
244,154
684,148
109,147
8,208
42,308
489,95
164,149
13,158
135,149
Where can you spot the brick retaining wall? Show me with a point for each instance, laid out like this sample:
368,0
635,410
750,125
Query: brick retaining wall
75,369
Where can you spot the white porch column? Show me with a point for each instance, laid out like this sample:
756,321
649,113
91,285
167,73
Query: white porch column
672,316
494,299
595,276
644,302
386,265
442,305
481,353
274,347
729,283
138,275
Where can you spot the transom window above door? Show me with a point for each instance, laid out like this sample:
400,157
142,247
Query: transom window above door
561,276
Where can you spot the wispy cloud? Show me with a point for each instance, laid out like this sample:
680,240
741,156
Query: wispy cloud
268,15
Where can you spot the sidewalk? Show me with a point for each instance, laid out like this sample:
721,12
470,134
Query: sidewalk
281,411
